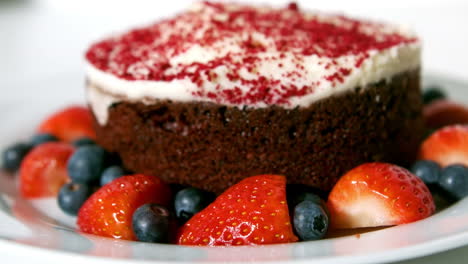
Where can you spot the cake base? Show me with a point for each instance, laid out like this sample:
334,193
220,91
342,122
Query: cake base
212,147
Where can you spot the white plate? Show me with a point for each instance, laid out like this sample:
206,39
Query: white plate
39,230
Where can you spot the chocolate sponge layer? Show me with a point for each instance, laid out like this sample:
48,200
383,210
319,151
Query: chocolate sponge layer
212,146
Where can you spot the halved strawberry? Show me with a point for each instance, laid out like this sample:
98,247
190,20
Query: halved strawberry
442,113
378,194
254,211
448,145
108,212
68,124
44,170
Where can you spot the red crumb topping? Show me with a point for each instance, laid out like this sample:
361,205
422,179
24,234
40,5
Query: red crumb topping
145,53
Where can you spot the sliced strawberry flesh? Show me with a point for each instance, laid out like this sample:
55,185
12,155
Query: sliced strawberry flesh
378,194
448,145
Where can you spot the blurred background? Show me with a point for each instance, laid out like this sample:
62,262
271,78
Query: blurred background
45,38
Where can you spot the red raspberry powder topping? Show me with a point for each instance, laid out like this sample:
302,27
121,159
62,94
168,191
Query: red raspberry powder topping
235,42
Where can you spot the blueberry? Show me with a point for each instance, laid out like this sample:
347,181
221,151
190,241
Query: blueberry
86,164
83,142
427,170
190,201
150,223
111,173
43,138
433,93
13,155
299,193
72,196
454,180
310,220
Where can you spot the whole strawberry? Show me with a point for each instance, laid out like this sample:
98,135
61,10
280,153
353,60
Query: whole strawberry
254,211
44,170
378,194
108,212
69,124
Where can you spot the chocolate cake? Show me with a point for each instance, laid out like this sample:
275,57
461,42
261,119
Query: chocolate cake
226,91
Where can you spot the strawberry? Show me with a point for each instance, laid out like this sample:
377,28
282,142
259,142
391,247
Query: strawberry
448,145
254,211
443,113
108,212
378,194
44,170
69,124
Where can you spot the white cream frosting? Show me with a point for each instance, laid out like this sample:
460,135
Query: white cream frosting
105,89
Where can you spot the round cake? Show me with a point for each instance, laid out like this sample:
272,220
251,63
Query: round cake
226,91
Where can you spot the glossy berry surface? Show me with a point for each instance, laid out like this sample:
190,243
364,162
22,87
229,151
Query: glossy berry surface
446,146
378,194
109,211
428,171
111,173
454,180
72,196
87,164
150,223
13,155
252,212
311,221
43,138
190,201
44,170
84,141
298,193
69,124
